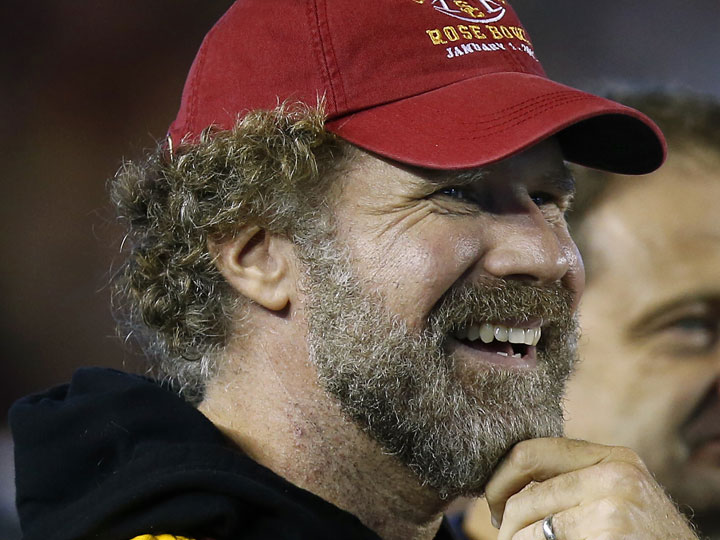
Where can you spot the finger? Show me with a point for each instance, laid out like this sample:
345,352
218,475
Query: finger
540,459
535,530
612,480
594,520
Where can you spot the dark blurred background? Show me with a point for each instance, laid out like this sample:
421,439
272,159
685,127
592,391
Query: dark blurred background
86,83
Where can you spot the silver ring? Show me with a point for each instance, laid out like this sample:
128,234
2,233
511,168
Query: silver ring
547,528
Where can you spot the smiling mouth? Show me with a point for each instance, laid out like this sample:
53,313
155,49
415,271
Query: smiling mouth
502,344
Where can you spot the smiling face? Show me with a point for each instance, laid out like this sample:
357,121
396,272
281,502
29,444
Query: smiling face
414,233
424,269
650,375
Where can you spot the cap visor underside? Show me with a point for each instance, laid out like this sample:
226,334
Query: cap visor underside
485,119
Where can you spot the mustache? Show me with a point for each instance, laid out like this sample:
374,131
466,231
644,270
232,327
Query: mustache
468,303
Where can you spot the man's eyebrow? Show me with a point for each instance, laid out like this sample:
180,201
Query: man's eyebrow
562,181
661,313
455,178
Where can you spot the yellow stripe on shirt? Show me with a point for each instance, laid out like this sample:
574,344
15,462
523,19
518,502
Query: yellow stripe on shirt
160,537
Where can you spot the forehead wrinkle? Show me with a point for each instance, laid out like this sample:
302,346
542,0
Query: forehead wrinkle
417,174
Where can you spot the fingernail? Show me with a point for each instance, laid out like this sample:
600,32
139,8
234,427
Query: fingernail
494,522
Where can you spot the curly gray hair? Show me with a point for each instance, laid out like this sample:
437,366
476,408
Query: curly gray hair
272,170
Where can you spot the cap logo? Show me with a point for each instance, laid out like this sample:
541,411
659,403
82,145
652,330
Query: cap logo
477,11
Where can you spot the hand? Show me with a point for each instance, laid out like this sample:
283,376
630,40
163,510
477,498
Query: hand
594,492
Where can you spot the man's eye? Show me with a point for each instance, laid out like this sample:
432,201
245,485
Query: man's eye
540,198
698,333
458,193
693,324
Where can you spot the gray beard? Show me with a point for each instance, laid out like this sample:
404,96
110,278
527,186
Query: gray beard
449,422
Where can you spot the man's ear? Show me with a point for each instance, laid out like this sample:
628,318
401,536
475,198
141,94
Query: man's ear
255,263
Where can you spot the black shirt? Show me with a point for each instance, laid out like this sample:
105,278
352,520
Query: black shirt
111,456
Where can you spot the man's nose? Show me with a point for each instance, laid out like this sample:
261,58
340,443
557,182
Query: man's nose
526,247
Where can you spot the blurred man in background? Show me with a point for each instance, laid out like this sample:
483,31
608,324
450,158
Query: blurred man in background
649,377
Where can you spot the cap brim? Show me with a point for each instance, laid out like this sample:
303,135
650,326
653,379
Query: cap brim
485,119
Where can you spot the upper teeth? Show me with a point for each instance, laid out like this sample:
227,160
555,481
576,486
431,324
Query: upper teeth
488,332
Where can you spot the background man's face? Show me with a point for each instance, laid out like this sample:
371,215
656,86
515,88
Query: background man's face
430,255
650,371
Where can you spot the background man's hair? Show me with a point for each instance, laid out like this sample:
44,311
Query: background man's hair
271,170
688,121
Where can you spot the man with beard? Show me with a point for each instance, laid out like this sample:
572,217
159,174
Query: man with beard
367,291
649,377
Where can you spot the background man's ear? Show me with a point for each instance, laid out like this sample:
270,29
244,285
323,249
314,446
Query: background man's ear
255,263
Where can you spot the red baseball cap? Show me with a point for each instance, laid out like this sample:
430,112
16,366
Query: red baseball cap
446,84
